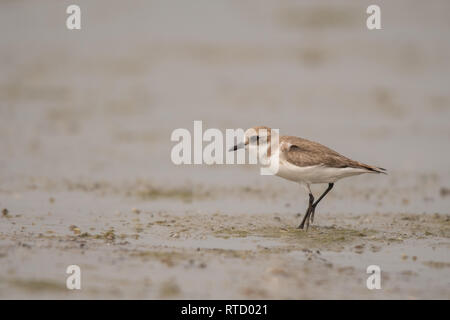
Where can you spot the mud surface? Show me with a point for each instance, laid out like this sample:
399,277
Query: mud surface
85,170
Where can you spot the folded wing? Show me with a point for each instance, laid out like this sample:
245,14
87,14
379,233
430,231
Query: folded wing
305,153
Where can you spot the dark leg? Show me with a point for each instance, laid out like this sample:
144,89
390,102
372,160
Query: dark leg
308,212
313,209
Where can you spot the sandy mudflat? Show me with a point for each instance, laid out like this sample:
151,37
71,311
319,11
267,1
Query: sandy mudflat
85,170
135,252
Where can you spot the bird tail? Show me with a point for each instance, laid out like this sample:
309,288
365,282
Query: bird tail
373,169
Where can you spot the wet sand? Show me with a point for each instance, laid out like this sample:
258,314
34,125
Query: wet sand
85,170
140,252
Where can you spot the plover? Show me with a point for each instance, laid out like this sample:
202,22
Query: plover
305,162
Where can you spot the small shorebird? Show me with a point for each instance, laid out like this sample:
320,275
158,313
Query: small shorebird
306,162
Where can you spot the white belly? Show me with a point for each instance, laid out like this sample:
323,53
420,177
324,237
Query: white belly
315,174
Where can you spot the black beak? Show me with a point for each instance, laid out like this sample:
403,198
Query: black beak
238,146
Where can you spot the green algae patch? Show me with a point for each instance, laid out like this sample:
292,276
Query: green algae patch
429,225
227,233
107,235
169,289
230,253
184,194
170,258
437,264
35,285
317,237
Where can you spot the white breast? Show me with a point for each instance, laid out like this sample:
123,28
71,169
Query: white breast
314,174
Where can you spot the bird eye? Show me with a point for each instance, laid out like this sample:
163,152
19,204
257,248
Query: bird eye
254,138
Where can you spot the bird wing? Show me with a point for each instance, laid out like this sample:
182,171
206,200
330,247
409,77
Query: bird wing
304,153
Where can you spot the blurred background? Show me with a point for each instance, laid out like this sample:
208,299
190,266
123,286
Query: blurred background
99,104
86,118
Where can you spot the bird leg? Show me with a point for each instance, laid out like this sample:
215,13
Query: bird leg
313,209
308,212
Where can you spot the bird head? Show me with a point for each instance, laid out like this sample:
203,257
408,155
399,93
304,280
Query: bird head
254,137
